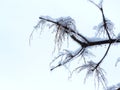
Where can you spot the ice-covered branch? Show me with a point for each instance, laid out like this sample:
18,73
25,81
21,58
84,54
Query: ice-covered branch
66,57
98,73
65,27
106,24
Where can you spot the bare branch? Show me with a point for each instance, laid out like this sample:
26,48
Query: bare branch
102,57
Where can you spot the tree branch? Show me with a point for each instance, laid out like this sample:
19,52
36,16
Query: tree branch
103,16
92,43
105,24
72,31
69,57
64,27
84,44
102,57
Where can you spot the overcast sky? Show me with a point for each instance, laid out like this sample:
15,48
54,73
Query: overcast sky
25,67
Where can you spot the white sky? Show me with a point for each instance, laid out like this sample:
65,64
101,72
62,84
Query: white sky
24,67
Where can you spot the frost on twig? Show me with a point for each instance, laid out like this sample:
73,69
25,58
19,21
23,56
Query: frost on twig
62,32
63,58
63,27
105,25
41,25
98,73
66,57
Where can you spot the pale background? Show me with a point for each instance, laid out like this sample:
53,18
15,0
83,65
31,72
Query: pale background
24,67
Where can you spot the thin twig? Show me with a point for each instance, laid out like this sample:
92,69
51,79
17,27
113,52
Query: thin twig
65,62
104,21
103,16
102,57
94,3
